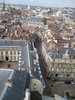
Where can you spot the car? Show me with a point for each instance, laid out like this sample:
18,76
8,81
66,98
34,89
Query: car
72,82
67,82
48,78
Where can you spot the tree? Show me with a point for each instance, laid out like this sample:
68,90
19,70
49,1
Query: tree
50,11
14,10
45,21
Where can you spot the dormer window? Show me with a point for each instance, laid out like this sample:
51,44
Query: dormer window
53,60
66,45
60,56
71,57
54,56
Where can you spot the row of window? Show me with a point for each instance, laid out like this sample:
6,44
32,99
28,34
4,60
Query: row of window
63,65
11,58
10,53
63,60
61,56
34,85
63,70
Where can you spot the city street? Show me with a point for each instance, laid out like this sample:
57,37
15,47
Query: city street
47,90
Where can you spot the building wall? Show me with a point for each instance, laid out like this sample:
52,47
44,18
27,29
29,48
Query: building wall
58,65
45,55
47,58
9,55
64,65
36,85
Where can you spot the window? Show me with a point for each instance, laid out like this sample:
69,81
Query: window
71,57
34,88
6,52
57,69
1,53
52,69
2,57
7,58
54,56
60,56
70,60
10,53
14,53
14,57
11,58
53,64
53,60
18,53
34,84
59,65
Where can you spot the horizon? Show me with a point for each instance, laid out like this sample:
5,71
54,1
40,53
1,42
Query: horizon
46,3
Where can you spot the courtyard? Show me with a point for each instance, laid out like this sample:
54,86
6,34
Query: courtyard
9,65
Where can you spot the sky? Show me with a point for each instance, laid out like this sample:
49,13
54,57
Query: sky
46,3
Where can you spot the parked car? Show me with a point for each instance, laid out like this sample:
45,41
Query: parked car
48,78
67,82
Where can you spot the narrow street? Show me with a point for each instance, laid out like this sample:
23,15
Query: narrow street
47,90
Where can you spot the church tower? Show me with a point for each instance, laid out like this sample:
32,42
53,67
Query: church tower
3,8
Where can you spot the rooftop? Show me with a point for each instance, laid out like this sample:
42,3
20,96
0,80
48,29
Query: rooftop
22,46
61,51
20,81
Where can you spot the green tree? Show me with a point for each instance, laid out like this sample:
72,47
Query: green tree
45,21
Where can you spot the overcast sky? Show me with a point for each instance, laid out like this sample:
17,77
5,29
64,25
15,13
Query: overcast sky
46,3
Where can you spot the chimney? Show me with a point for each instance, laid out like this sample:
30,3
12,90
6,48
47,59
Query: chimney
66,55
66,52
15,32
34,62
35,69
6,30
57,50
8,82
27,94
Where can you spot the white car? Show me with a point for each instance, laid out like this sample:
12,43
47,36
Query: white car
72,82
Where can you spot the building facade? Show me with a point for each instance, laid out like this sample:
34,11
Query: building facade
9,54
